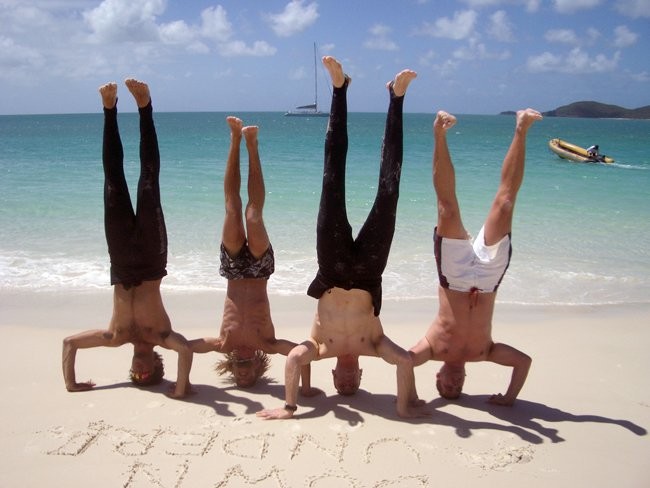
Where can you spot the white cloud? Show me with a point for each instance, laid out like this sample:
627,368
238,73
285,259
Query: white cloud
379,39
571,38
198,47
461,26
642,77
575,62
295,17
380,30
478,50
447,68
326,48
17,60
177,32
482,3
571,6
634,8
125,20
17,18
592,35
298,74
426,58
215,24
500,27
240,48
624,36
76,41
380,44
531,5
563,36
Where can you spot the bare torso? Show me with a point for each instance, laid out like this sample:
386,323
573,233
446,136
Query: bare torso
139,314
246,316
462,331
345,324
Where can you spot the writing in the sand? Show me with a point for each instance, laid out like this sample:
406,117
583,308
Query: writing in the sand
165,458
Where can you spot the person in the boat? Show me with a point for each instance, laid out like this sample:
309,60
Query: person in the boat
470,272
593,152
247,333
348,282
137,246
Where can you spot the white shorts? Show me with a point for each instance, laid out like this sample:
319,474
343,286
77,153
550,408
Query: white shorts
466,266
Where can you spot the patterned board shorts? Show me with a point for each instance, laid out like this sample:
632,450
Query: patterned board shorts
245,265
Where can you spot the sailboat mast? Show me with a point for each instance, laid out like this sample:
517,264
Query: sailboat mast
315,81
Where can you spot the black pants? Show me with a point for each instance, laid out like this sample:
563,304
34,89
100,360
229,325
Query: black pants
137,241
343,261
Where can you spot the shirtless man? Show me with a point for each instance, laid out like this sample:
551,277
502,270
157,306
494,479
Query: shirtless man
348,283
247,332
137,245
470,274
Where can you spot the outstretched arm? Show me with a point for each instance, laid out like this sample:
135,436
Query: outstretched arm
280,346
406,393
205,344
506,355
300,356
284,347
83,340
420,354
179,344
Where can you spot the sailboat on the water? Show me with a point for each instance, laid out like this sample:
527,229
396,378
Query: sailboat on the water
310,110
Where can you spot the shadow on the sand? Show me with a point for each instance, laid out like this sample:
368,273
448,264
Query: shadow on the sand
530,415
220,398
525,419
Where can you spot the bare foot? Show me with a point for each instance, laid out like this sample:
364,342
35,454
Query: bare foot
336,71
139,90
401,82
235,126
250,134
444,121
526,118
109,94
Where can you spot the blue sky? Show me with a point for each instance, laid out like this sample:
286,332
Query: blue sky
472,56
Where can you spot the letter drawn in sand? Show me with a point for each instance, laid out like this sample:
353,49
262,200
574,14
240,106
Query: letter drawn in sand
340,479
144,474
237,472
337,453
190,443
79,441
393,440
421,480
132,443
250,446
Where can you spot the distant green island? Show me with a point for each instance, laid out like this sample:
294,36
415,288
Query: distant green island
596,110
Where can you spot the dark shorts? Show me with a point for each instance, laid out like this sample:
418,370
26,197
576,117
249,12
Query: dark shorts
321,284
245,265
131,276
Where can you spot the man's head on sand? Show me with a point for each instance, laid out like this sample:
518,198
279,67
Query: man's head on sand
450,380
245,365
146,368
347,375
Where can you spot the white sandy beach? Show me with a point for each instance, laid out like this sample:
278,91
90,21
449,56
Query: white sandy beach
580,421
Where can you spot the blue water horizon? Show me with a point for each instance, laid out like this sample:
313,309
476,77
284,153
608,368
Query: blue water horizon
579,235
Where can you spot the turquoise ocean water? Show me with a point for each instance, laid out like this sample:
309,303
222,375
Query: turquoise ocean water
581,233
